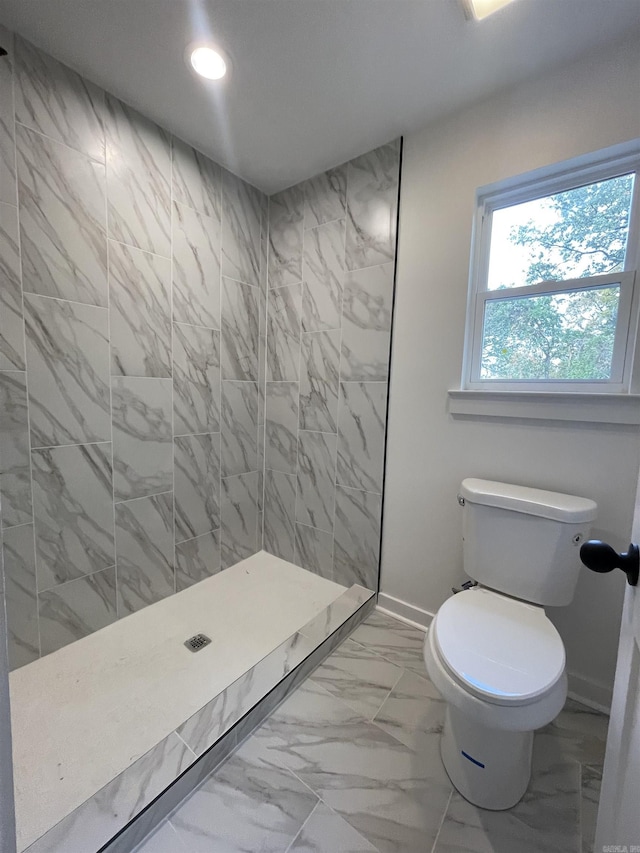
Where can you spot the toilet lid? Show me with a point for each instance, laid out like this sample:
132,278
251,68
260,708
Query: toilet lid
503,650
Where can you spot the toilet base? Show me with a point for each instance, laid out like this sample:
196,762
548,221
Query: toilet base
491,768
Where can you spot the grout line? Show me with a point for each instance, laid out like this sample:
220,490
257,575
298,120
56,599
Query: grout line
199,536
31,293
143,497
78,444
57,586
58,141
444,815
173,444
306,821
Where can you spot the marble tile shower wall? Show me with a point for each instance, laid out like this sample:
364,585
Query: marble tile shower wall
133,301
332,246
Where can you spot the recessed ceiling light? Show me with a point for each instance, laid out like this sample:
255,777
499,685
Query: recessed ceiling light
479,9
208,63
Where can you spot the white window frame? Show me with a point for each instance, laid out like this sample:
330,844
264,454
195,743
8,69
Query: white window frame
610,163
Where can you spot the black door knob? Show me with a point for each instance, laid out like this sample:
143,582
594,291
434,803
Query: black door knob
600,557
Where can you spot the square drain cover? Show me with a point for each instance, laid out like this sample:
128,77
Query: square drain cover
199,641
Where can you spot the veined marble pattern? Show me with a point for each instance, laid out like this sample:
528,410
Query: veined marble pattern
144,551
372,207
23,639
281,450
392,639
197,484
323,273
15,478
325,197
57,102
314,550
357,537
140,312
316,479
258,806
164,840
366,323
196,379
240,230
286,214
138,179
142,450
361,426
239,518
196,267
327,832
197,180
589,801
320,361
68,364
414,711
239,427
72,610
8,189
62,193
11,322
279,514
240,323
73,512
197,559
283,333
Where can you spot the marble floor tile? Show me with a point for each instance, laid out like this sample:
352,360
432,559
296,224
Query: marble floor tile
144,552
241,218
197,484
589,801
325,197
11,320
15,473
394,640
197,180
245,805
286,212
322,276
320,365
580,733
140,312
142,446
62,193
314,550
357,537
23,639
164,840
75,609
360,678
413,712
239,355
197,559
327,832
366,776
8,189
73,512
315,496
196,267
54,100
196,379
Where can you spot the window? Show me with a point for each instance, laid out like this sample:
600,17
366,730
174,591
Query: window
553,302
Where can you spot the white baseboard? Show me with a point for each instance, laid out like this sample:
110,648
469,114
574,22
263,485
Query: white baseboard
590,693
404,611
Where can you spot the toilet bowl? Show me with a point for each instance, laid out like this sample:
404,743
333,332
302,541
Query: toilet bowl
491,650
499,663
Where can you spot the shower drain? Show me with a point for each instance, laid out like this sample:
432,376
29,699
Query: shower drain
199,641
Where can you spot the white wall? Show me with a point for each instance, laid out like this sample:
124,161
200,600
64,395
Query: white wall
583,107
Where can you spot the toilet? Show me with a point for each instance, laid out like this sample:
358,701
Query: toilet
491,650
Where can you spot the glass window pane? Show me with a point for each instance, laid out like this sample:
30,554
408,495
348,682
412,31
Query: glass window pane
573,234
568,335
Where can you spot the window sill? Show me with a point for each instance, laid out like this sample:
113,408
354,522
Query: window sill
546,406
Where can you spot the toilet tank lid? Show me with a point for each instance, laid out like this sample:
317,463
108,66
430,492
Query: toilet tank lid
554,505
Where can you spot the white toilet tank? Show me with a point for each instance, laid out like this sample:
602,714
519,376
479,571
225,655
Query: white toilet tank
524,542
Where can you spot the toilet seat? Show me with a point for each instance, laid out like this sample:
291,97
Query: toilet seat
501,650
